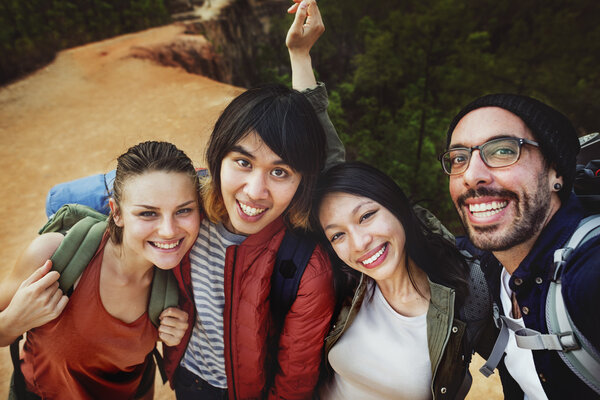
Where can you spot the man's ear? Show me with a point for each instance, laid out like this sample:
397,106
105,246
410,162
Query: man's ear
115,212
555,181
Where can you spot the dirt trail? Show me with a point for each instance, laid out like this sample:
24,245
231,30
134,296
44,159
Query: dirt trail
75,116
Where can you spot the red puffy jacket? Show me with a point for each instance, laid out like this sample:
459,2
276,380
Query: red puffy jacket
252,372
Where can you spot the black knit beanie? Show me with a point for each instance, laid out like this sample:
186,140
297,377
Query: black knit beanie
553,131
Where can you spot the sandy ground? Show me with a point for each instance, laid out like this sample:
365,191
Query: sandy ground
75,116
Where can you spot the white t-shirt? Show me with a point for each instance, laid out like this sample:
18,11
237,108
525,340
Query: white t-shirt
383,355
518,361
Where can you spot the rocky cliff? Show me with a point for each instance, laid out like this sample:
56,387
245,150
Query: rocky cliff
224,47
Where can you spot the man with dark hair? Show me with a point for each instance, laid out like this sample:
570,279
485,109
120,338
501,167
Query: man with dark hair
511,161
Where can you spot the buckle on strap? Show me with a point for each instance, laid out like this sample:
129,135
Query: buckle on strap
560,258
486,371
569,345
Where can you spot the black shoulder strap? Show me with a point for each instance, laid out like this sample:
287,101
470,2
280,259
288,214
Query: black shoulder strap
18,378
292,257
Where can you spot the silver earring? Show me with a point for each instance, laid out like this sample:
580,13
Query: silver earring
557,186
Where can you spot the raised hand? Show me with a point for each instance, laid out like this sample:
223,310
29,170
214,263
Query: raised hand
37,301
306,28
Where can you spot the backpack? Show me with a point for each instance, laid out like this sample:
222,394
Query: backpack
84,228
574,349
587,176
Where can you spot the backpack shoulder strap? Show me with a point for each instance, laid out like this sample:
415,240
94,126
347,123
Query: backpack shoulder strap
76,250
68,215
292,257
577,353
574,349
163,294
477,306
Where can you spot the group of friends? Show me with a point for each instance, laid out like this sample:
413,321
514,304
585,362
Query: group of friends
390,306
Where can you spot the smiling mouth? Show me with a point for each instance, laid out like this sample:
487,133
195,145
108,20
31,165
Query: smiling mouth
166,246
251,211
487,209
374,257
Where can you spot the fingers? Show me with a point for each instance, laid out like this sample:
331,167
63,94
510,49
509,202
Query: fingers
313,11
36,304
173,325
173,316
299,18
294,6
38,273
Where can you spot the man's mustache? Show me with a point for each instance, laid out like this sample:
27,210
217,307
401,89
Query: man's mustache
482,192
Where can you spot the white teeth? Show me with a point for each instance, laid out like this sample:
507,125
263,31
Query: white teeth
166,246
487,209
375,256
251,211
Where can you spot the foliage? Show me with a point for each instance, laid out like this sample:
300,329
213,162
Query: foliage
32,31
397,73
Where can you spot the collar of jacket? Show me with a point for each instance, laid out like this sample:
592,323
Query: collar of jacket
265,233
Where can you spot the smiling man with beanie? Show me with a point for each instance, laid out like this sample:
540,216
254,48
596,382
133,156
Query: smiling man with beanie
511,161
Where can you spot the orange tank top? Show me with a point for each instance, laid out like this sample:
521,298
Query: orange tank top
86,353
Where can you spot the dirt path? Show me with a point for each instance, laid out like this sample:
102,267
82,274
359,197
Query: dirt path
73,118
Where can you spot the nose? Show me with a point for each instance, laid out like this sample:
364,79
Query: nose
256,186
167,227
360,240
477,173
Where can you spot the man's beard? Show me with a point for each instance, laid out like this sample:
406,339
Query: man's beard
530,213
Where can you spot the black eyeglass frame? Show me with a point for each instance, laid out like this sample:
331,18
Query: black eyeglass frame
520,142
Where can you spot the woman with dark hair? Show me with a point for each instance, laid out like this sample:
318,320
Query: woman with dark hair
401,330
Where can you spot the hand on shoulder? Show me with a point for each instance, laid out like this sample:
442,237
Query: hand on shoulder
30,296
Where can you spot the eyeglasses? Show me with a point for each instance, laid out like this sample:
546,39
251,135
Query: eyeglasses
496,153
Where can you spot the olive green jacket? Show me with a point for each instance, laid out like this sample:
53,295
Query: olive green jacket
319,100
448,352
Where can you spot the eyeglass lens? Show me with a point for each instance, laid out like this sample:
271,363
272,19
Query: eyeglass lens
495,153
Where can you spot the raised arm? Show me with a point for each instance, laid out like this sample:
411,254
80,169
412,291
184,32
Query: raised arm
302,35
29,296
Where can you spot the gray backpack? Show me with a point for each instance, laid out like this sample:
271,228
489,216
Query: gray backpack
573,348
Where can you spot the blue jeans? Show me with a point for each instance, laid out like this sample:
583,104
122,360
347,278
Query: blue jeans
189,386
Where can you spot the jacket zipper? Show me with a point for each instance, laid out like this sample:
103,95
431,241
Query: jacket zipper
230,322
447,337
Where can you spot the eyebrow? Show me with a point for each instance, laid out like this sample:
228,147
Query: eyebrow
156,208
499,136
353,212
240,149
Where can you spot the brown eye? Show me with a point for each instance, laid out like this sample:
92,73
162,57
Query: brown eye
367,215
335,237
